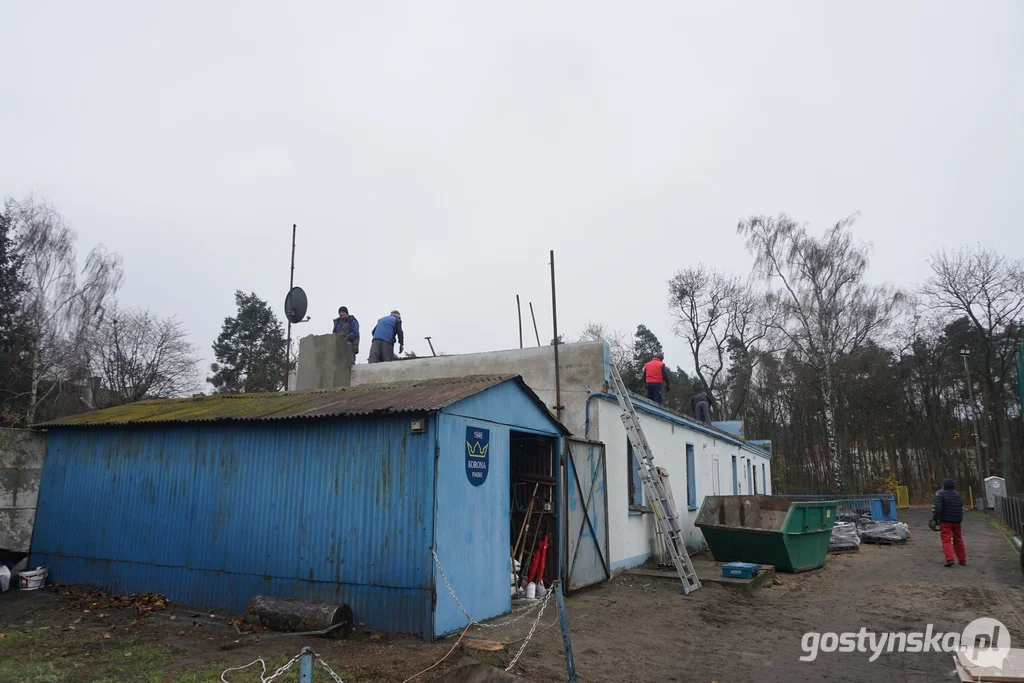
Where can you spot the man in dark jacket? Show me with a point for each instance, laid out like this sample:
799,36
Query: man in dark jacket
385,332
347,325
701,407
948,511
656,377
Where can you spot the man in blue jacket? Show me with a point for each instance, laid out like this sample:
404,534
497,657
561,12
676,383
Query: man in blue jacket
347,325
387,329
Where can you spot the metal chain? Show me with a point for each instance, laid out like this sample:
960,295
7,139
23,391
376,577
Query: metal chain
282,669
473,621
336,677
288,665
530,634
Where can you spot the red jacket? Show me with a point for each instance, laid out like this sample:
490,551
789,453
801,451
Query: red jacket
655,372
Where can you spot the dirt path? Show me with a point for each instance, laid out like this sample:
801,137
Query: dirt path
722,635
632,629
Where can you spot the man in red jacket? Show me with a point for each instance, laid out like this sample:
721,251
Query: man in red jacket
656,375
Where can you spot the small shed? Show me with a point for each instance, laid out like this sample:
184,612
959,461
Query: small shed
339,495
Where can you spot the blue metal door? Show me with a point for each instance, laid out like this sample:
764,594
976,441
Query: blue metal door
586,514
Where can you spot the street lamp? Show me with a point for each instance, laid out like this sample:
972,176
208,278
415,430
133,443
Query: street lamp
965,353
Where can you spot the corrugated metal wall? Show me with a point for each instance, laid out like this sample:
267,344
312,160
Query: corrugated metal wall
210,515
473,532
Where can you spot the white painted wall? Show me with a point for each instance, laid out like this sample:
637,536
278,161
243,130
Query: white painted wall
631,534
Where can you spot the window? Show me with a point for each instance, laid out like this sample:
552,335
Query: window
635,494
716,483
764,480
755,480
735,478
750,478
691,478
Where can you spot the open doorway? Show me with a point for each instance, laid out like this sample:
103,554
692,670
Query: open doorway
534,518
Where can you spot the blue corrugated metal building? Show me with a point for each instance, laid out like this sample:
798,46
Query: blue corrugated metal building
336,495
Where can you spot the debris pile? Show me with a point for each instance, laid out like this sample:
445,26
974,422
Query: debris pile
844,538
95,599
885,533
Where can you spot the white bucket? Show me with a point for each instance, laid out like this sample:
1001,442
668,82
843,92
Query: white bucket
531,591
5,578
32,580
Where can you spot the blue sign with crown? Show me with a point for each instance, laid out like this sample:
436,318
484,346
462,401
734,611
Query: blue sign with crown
478,441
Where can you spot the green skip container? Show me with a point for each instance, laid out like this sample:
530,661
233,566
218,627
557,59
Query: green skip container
790,534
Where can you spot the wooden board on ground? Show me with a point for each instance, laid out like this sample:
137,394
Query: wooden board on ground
710,571
483,645
1011,671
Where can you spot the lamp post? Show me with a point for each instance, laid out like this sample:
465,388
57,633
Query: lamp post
965,353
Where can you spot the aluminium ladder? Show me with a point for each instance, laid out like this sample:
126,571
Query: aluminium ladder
664,511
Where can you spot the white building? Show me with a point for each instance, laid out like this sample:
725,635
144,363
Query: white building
701,460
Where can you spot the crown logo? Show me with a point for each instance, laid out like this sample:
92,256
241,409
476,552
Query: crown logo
476,450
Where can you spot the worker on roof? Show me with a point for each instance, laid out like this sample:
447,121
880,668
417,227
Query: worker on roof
700,404
656,376
385,332
348,326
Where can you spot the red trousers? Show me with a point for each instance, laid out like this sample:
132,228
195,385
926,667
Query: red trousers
952,540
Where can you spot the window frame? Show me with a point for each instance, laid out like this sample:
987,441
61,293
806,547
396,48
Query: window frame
691,478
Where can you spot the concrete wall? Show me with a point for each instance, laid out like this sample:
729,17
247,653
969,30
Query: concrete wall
325,362
582,368
21,466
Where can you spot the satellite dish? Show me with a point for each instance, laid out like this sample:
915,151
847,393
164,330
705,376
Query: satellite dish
295,305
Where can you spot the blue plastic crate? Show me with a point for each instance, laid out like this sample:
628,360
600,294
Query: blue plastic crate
740,570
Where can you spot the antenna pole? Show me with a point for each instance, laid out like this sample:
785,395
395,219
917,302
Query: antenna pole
555,341
288,343
519,314
535,332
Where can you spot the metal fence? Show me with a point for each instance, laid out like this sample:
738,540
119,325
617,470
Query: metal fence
875,506
1010,509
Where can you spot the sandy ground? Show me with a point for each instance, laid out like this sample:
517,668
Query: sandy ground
631,629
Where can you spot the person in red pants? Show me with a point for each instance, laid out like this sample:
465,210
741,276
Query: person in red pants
948,512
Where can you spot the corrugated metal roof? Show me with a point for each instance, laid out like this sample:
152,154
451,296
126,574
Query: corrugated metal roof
416,396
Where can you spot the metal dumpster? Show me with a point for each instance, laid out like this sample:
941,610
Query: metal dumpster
790,534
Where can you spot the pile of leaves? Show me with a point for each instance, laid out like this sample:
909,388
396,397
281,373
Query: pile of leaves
96,599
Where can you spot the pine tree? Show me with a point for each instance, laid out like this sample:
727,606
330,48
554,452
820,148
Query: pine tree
13,335
251,349
645,346
12,286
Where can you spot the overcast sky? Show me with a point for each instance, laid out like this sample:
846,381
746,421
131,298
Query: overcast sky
432,153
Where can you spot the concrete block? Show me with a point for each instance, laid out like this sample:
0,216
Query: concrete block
21,467
325,362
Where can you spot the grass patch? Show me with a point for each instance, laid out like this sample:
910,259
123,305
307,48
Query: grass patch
48,655
56,655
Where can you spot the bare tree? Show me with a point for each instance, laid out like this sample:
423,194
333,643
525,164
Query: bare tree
987,289
827,311
620,345
753,324
62,306
139,356
704,303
